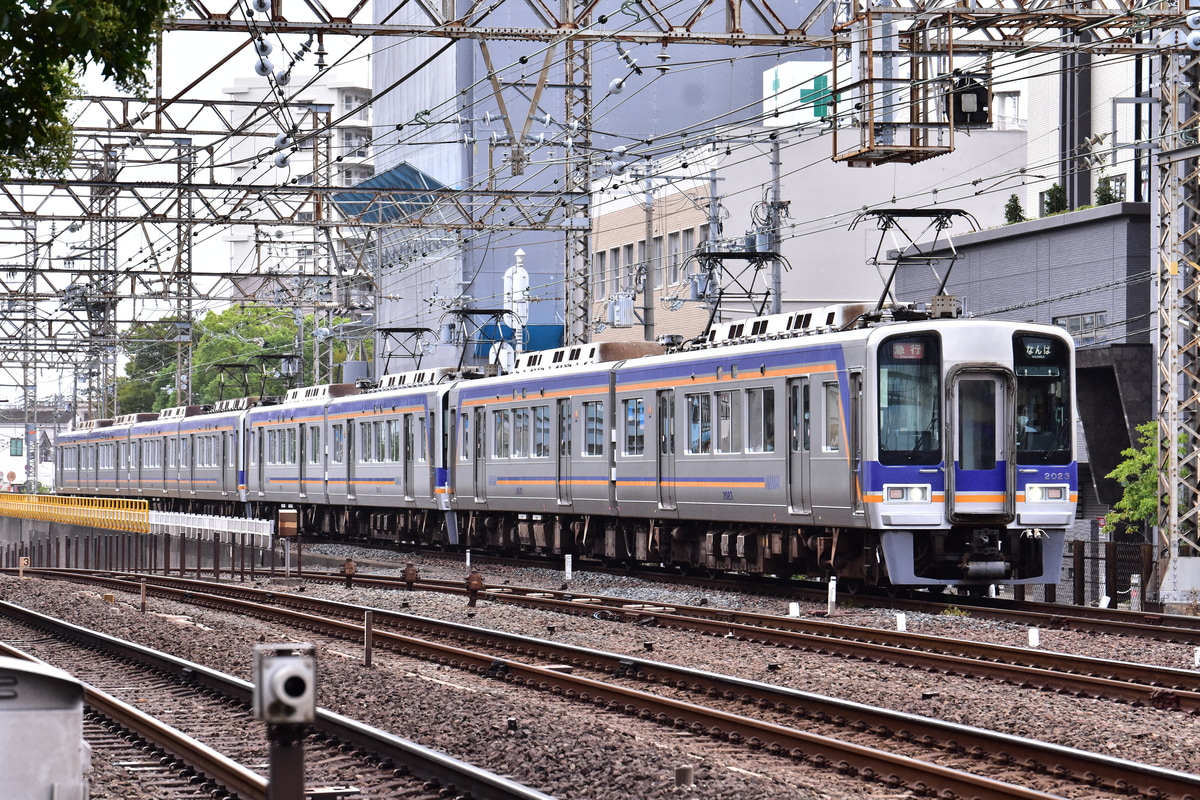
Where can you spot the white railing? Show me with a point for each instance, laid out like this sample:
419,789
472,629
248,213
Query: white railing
195,526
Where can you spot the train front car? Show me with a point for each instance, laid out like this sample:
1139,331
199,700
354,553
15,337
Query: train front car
971,477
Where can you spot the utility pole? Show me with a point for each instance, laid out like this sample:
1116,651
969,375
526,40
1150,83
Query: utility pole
650,266
775,221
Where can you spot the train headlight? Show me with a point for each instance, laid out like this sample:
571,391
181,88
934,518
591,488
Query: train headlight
900,493
1047,493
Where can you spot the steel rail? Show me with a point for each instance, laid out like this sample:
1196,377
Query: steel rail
1159,687
232,776
422,761
872,764
1114,773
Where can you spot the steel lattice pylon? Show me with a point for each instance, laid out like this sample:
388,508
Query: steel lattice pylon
578,179
1178,292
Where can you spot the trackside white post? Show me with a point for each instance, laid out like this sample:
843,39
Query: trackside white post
832,606
793,609
1104,601
468,558
901,622
1034,637
1196,657
567,573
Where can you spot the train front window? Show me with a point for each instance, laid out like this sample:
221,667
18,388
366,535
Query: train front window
1043,422
910,370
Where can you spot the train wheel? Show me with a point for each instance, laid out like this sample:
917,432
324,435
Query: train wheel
851,586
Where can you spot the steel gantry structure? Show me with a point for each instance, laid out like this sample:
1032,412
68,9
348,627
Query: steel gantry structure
896,68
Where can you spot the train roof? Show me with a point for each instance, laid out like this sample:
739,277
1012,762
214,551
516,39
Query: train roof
581,354
323,392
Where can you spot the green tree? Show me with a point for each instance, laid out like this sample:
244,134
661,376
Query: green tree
1056,199
256,336
1013,212
1104,192
242,335
150,353
1138,476
44,47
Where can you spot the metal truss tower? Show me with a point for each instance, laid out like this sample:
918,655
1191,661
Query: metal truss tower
1178,290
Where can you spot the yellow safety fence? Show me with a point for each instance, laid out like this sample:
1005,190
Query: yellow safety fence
94,512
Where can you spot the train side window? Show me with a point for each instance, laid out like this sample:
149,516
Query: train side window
291,446
393,439
593,429
314,445
699,417
565,423
364,442
465,427
339,444
833,417
635,426
666,423
729,421
380,440
501,433
520,442
422,440
541,431
760,420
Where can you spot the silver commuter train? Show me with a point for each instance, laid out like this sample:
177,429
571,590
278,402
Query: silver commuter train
884,447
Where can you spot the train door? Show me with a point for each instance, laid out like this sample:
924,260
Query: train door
189,452
409,454
231,460
480,455
260,459
351,459
562,475
981,481
302,461
799,445
666,448
435,442
120,468
855,443
830,478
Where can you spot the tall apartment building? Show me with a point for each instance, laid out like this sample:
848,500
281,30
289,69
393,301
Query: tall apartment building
332,147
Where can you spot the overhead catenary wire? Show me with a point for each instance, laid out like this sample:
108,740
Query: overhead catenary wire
502,234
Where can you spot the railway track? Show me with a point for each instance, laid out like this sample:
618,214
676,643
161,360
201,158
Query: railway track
1138,684
1110,621
835,732
210,738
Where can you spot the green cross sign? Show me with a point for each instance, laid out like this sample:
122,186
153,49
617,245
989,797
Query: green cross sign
819,96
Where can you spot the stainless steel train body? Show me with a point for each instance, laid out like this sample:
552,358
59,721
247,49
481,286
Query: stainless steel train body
919,452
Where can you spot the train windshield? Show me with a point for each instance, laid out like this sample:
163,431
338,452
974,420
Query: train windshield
910,378
1044,424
